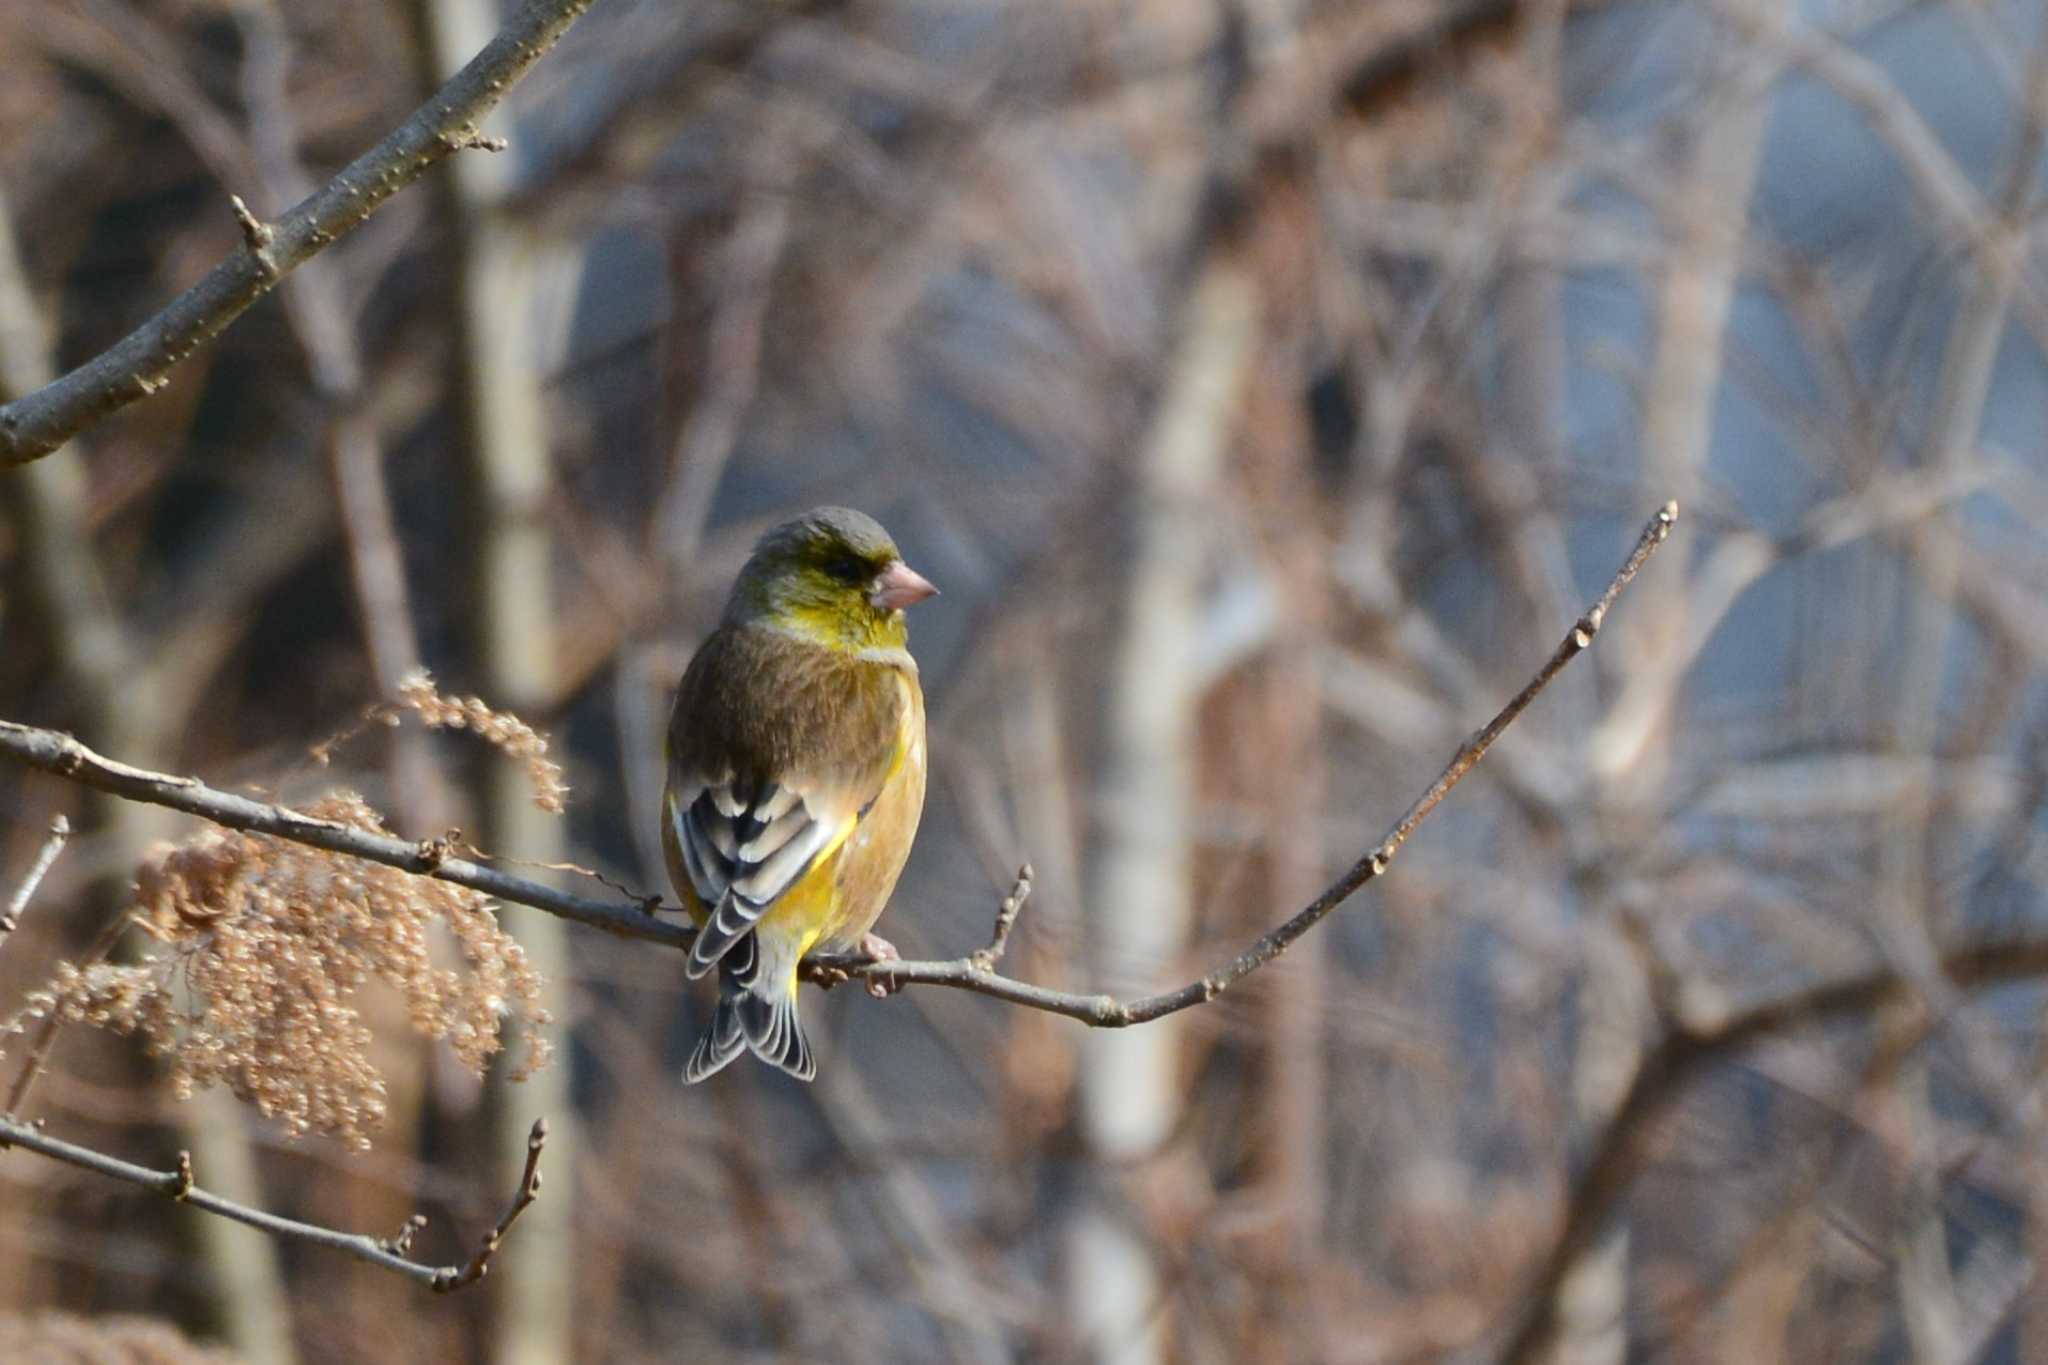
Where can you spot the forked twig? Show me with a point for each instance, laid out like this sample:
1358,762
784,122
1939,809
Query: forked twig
450,1279
1006,920
180,1183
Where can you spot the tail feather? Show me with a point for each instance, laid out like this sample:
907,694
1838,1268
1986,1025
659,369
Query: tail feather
754,1012
722,1042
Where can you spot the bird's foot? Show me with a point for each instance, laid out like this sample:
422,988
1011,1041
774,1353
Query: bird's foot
879,949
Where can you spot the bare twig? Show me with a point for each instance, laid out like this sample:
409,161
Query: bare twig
60,830
140,363
179,1183
1104,1011
1006,920
452,1278
400,1242
61,754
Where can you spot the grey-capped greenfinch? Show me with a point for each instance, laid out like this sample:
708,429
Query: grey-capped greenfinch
796,774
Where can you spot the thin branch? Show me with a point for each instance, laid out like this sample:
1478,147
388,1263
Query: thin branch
1006,920
450,1279
140,364
59,753
60,830
1105,1011
1624,1145
387,1254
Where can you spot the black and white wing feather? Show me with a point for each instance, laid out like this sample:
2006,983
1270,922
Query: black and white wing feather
742,850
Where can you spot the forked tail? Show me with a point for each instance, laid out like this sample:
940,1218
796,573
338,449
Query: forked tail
756,1011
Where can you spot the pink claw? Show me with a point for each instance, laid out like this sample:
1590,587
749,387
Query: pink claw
879,949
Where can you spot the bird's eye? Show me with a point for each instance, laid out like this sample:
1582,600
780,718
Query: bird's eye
846,569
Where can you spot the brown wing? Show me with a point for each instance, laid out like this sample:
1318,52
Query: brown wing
777,748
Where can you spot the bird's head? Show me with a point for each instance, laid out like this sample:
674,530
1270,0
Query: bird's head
833,576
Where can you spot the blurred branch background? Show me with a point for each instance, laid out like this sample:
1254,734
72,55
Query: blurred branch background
1267,383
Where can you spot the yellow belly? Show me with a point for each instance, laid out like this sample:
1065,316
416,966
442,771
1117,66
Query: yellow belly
842,895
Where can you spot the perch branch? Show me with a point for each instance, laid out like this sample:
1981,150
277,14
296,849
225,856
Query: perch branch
140,363
1107,1012
59,753
179,1183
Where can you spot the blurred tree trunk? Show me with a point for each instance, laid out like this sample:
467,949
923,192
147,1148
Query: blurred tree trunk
1631,753
1138,892
506,451
1274,759
323,320
46,506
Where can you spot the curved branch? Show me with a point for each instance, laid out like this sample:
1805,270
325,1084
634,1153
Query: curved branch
1104,1011
140,363
61,754
179,1184
1624,1144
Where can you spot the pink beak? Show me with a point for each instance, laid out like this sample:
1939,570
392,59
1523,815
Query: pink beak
900,586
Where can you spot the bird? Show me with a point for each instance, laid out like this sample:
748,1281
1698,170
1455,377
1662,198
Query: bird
796,775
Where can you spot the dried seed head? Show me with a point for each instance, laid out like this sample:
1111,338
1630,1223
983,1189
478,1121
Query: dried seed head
266,944
501,729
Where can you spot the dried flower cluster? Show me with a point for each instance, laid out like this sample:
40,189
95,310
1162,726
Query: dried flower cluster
501,729
266,944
